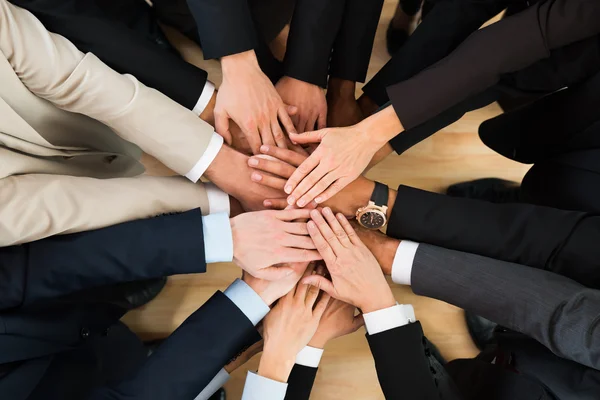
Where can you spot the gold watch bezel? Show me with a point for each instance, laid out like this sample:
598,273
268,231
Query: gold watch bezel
371,207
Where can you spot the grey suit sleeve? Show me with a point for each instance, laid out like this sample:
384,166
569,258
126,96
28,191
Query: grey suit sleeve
558,312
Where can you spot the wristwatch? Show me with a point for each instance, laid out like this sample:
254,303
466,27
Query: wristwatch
374,215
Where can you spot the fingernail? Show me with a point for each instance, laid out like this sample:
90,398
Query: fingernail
311,225
267,203
288,189
318,200
314,213
301,202
291,200
327,211
264,148
253,161
256,177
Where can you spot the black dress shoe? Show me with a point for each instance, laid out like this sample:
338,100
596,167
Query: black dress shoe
480,329
219,395
493,190
395,39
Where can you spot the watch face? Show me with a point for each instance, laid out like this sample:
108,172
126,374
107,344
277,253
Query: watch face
372,220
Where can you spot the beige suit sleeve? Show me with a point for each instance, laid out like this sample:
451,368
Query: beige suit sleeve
54,69
37,206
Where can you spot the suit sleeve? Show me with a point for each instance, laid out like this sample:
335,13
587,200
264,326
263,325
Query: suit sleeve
564,242
38,206
354,41
506,46
556,311
402,365
52,68
225,26
187,361
313,30
137,250
91,30
300,382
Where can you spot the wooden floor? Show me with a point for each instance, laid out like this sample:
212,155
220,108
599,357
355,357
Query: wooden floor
347,372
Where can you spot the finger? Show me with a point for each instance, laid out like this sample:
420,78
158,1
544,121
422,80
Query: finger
302,171
302,126
286,121
289,156
298,242
302,289
266,134
320,282
276,167
307,137
322,120
254,139
333,189
275,204
307,183
268,180
222,126
350,232
322,245
290,255
296,228
291,110
278,135
321,306
312,121
316,190
327,232
274,273
336,227
290,215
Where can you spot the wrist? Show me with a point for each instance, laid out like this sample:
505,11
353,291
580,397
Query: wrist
378,302
318,342
208,114
277,368
341,88
383,126
233,64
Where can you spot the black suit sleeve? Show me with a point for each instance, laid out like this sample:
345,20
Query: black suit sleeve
120,48
300,382
540,237
354,42
188,360
313,30
402,365
137,250
504,47
225,27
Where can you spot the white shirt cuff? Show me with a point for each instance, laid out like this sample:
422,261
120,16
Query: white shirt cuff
213,148
218,200
246,299
309,357
403,262
218,239
205,96
217,383
389,318
260,388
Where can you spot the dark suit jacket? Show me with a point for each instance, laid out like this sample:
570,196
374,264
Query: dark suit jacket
547,29
564,242
124,49
60,341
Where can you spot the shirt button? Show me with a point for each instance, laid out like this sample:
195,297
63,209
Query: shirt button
85,333
106,331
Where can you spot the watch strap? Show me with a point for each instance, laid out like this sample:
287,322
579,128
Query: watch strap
380,194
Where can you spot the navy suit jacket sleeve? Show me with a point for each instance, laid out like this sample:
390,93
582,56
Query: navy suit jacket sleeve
137,250
187,361
300,382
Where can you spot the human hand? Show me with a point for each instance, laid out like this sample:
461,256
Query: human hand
270,291
337,321
248,97
342,155
244,357
276,165
308,98
288,328
264,239
343,108
356,277
382,246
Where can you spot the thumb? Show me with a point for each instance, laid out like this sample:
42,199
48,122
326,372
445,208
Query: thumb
274,273
308,137
320,282
222,126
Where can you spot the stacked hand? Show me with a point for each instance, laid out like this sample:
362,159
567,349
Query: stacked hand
248,97
309,99
337,321
289,327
